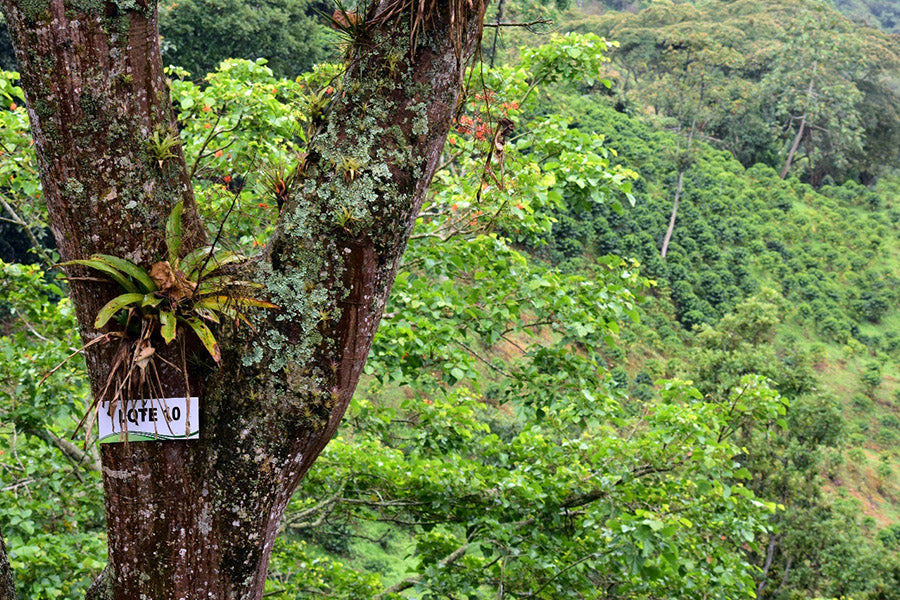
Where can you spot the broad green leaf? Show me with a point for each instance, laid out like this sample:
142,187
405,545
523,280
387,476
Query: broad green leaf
173,234
193,260
206,337
129,268
114,306
150,300
116,275
168,322
218,260
218,285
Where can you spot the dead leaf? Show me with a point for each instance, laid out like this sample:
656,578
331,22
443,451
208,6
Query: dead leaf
171,282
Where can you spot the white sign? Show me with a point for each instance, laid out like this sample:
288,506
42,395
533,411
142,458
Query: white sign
154,420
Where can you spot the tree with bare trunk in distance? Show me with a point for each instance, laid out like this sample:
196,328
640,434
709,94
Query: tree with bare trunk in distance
197,519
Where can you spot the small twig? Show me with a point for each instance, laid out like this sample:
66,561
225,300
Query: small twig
559,574
73,453
411,581
18,484
484,360
102,338
214,133
212,248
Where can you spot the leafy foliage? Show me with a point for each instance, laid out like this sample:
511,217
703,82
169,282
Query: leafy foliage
50,490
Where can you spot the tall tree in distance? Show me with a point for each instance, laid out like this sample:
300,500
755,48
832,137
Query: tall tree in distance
817,98
197,519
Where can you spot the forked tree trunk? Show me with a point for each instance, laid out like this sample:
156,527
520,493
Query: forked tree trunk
802,129
197,519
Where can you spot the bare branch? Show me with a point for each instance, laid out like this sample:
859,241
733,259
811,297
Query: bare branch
73,453
527,24
15,218
411,581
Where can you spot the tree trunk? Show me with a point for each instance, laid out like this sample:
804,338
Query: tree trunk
797,139
770,555
794,146
7,587
678,187
197,519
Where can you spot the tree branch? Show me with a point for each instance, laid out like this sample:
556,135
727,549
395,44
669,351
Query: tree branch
411,581
527,25
73,453
15,218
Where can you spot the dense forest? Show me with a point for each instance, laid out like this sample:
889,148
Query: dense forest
643,343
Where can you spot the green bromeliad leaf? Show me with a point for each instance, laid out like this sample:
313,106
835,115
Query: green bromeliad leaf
104,267
190,263
167,325
129,268
206,337
114,306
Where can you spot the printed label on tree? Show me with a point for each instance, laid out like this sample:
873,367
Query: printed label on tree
156,420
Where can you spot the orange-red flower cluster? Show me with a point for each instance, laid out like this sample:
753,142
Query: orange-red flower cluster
478,127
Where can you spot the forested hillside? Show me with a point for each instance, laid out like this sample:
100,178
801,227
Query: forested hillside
644,341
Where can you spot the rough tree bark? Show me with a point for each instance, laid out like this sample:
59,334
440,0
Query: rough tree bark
7,589
197,519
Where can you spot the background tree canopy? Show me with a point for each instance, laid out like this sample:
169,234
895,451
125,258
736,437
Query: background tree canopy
290,34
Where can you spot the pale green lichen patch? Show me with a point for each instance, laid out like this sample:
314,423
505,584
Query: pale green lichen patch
34,10
350,214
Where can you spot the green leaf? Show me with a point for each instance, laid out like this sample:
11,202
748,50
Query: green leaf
206,337
168,321
220,259
129,268
217,285
173,234
194,259
220,303
114,306
150,300
116,275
